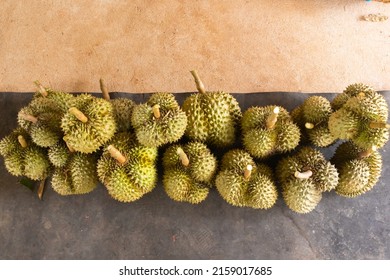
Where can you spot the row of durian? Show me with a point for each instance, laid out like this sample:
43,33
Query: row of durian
79,140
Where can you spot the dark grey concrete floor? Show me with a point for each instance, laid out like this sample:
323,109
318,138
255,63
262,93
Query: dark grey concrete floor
94,226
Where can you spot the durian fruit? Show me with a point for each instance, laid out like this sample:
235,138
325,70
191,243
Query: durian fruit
127,168
363,120
213,117
269,130
159,121
61,99
88,124
123,109
74,172
351,91
22,157
188,172
244,183
312,117
42,119
304,176
359,169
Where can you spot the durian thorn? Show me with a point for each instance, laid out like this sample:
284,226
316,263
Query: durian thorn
199,85
309,125
379,125
116,154
41,88
103,88
28,117
303,175
22,141
156,111
78,114
368,152
183,157
273,118
248,171
41,188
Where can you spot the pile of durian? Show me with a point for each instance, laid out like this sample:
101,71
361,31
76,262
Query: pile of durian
79,140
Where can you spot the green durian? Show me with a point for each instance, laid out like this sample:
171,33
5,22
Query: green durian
303,177
268,130
351,91
243,182
312,117
213,117
159,121
22,157
61,99
88,124
188,172
127,169
359,169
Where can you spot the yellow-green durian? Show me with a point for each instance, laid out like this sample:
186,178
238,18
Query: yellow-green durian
303,177
89,123
159,121
60,98
359,169
243,182
351,91
213,117
127,169
312,117
268,130
188,172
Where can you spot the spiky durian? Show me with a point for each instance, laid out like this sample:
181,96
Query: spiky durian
22,157
61,99
362,119
268,130
312,117
127,168
213,117
351,91
303,177
88,124
359,169
159,121
242,182
188,172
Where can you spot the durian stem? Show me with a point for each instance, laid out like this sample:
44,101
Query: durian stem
273,118
78,114
104,89
248,171
303,175
41,89
309,125
41,188
70,148
379,125
198,82
22,141
368,152
183,157
28,117
156,111
116,154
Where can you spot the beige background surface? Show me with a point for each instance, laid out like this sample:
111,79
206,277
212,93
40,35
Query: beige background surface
238,46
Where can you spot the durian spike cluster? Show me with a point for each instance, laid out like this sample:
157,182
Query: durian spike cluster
79,140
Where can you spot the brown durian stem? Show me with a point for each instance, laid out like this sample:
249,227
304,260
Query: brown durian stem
22,141
41,188
41,89
183,157
104,89
309,125
248,171
28,117
116,154
198,82
379,125
273,118
156,111
303,175
70,148
368,152
78,114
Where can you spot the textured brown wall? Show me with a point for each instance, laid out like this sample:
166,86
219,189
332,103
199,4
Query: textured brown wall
239,46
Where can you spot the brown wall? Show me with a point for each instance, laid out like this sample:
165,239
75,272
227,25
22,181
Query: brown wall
239,46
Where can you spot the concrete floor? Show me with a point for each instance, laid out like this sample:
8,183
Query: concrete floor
94,226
